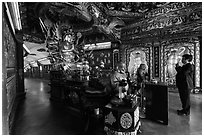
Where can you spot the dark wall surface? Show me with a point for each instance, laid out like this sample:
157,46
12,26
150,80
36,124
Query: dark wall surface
12,70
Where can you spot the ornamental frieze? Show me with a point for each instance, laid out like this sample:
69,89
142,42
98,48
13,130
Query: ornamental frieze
183,29
178,40
122,13
173,30
157,25
165,23
173,13
151,34
168,8
171,19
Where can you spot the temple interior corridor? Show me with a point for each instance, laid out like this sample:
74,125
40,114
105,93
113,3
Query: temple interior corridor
101,68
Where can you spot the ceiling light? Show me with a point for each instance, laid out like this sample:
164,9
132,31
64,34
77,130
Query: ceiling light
18,19
27,50
104,45
42,59
9,16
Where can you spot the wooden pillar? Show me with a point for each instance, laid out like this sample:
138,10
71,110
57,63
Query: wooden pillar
20,67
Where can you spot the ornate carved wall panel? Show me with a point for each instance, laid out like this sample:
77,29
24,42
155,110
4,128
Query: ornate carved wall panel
174,26
163,57
173,51
137,54
169,21
100,56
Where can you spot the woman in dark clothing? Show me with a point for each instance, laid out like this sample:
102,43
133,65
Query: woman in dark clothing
141,75
184,82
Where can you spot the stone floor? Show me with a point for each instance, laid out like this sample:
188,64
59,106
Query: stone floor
37,115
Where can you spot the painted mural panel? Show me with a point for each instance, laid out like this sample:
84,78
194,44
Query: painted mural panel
172,55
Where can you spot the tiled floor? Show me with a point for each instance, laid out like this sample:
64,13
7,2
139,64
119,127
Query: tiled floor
37,115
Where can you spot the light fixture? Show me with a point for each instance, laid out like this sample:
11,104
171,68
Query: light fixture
42,59
104,45
9,16
27,50
18,19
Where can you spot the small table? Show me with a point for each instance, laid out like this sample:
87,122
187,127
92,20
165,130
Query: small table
121,120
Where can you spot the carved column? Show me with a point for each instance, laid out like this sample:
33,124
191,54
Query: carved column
197,57
156,60
162,62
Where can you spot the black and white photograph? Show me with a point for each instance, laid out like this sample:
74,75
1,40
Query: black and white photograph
101,68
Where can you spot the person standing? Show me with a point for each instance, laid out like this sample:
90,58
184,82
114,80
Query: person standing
184,83
141,76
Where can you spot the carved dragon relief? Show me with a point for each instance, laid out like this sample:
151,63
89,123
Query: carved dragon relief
94,15
62,38
89,17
